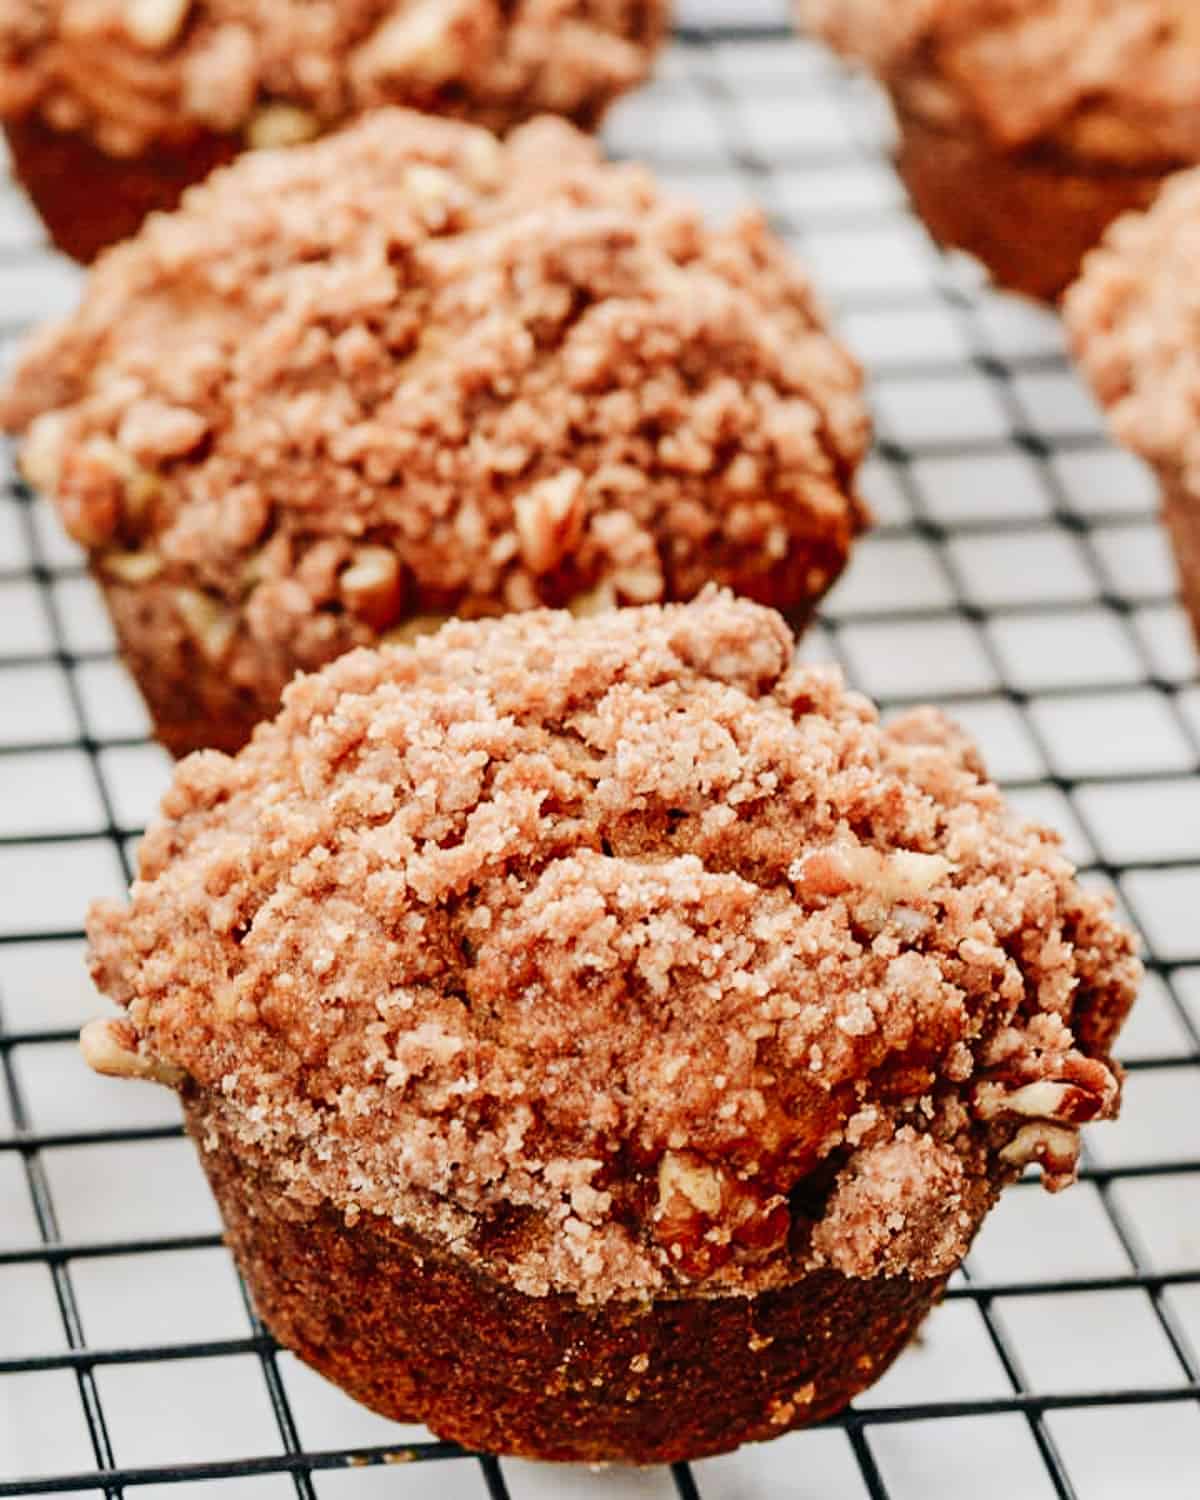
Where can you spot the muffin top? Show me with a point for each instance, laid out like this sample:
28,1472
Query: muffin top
135,73
621,954
408,370
1111,80
1133,320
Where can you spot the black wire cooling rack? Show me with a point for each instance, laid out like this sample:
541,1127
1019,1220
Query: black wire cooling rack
1017,575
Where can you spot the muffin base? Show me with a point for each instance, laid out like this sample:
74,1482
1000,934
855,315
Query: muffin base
1181,513
420,1336
1029,216
197,703
89,200
193,703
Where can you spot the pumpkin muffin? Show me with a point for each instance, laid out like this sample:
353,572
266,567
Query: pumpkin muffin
603,1037
409,371
112,107
1027,126
1133,320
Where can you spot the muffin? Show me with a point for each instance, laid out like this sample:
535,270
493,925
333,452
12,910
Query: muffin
1133,321
407,371
1027,126
135,99
602,1037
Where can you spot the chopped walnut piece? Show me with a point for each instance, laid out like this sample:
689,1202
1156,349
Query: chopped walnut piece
422,41
594,601
274,125
549,519
154,24
208,622
1047,1099
698,1185
413,630
110,1047
900,876
372,587
40,456
1055,1148
91,488
433,188
131,567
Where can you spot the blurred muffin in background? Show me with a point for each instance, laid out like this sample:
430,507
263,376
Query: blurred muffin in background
1133,320
1027,126
113,107
408,371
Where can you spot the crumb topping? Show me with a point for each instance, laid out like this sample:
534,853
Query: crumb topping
1113,80
621,955
135,73
1133,319
408,371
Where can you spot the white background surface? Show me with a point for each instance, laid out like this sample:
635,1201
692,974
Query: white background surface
1017,574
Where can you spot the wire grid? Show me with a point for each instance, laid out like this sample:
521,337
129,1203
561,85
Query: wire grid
1017,575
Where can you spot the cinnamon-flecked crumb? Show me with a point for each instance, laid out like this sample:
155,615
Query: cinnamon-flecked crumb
1133,319
1112,81
135,73
409,371
621,954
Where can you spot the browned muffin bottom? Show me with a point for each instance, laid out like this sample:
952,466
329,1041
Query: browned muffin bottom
191,705
420,1336
1134,325
408,371
613,980
1027,126
1181,513
88,199
1029,216
140,98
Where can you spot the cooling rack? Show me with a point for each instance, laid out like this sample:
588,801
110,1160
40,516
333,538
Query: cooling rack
1017,575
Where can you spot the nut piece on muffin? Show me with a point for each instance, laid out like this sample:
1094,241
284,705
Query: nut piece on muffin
139,98
1133,321
602,1036
409,371
1027,126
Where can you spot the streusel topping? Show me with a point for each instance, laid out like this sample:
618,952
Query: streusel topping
133,73
1133,319
1114,80
410,371
619,955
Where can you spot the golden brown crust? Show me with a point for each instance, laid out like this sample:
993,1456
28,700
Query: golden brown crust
1030,216
417,1335
51,164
